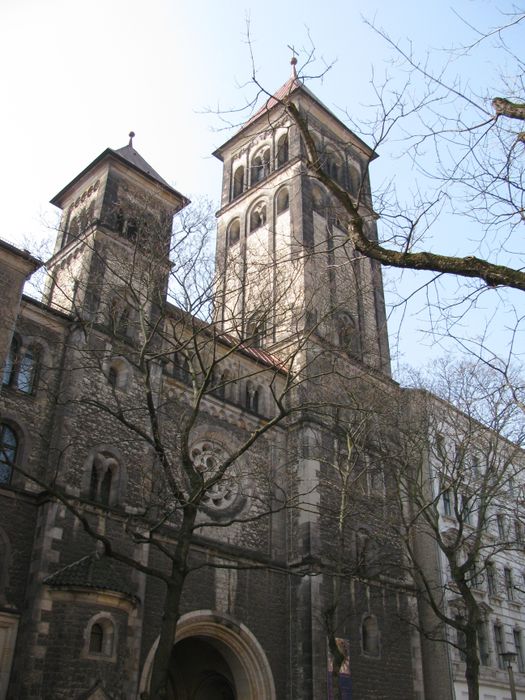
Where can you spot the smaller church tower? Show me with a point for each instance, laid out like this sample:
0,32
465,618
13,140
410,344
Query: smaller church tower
285,264
113,245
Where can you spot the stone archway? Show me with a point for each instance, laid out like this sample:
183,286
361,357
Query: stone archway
230,664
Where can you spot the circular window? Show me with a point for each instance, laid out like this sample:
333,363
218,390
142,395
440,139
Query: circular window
224,495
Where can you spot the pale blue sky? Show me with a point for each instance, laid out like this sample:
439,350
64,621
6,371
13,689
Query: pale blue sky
77,77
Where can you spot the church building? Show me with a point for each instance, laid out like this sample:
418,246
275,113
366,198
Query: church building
144,384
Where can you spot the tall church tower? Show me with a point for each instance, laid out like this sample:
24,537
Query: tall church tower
113,245
284,261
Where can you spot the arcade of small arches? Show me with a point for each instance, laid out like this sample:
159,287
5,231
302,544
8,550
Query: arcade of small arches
260,165
257,216
255,168
245,393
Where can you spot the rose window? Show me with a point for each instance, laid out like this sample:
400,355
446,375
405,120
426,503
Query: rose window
207,458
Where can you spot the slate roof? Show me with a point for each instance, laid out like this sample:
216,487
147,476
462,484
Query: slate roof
131,155
93,571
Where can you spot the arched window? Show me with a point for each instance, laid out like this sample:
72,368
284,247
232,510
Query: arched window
257,217
104,481
318,200
234,232
370,636
8,452
333,165
118,373
282,200
73,229
282,150
181,368
255,330
10,367
20,369
347,335
238,181
361,548
119,316
100,637
260,165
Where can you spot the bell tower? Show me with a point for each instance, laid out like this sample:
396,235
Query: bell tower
113,244
285,265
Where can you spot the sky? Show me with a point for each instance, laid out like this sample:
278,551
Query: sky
76,77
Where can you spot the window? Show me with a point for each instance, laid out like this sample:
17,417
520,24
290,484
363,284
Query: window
103,484
252,398
181,368
260,165
282,201
100,637
119,317
447,506
483,644
257,217
282,150
238,181
20,370
370,635
498,645
234,232
492,586
509,585
466,509
8,452
318,201
96,639
519,650
361,548
502,527
518,530
255,331
347,335
118,373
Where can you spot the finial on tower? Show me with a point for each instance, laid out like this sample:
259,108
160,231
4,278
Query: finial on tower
131,135
293,61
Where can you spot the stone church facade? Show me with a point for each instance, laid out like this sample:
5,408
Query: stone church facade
292,317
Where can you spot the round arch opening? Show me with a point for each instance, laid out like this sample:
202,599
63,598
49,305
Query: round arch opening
216,658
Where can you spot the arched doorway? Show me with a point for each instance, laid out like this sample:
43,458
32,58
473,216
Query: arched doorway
215,658
200,672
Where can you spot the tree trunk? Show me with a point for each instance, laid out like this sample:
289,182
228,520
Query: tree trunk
170,618
472,664
161,665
